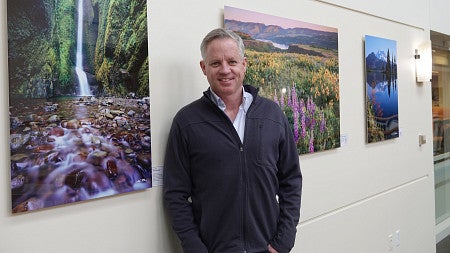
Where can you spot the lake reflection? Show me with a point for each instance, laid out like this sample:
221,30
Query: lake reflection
382,93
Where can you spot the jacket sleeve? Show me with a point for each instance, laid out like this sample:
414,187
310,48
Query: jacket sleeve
289,193
177,190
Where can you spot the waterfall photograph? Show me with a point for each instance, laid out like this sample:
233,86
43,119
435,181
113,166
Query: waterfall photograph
79,100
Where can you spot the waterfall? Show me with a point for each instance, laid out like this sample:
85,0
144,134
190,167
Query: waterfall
82,79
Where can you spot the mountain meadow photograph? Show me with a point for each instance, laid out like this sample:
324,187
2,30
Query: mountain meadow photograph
381,89
296,65
79,100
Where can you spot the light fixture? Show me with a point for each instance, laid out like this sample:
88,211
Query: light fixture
423,62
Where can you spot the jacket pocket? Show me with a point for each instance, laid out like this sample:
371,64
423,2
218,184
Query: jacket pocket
268,141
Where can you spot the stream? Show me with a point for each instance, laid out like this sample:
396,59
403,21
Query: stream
73,149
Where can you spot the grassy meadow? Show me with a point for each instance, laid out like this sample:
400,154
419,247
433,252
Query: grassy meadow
306,88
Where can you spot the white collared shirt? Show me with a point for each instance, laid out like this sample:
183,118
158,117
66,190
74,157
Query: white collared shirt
239,121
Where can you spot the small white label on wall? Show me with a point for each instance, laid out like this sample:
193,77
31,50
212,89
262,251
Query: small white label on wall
344,139
157,176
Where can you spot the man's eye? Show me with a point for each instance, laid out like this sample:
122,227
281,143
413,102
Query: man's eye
233,63
214,64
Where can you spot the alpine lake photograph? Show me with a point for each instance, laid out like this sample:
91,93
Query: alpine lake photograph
381,89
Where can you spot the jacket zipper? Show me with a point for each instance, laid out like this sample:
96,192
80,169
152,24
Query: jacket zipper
244,181
243,169
244,178
244,196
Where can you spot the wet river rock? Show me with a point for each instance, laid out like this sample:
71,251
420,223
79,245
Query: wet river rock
74,149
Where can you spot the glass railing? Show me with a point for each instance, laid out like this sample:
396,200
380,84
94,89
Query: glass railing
440,91
442,186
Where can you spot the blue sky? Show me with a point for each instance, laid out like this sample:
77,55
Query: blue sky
375,44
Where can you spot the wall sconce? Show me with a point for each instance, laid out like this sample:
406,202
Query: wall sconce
423,62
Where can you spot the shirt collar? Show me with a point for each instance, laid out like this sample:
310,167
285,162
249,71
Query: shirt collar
247,100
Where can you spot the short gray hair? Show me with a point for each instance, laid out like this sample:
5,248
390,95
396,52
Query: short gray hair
221,33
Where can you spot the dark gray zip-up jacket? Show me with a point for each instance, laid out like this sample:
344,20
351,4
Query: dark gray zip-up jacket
225,196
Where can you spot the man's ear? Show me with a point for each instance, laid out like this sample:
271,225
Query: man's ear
203,67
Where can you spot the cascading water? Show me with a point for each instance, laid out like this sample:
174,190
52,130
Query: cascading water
82,78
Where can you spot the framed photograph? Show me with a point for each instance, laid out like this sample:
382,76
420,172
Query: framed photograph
79,100
295,64
381,89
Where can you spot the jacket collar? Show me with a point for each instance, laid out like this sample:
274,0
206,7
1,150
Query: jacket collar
248,88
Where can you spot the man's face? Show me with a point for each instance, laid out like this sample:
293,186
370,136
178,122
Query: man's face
224,67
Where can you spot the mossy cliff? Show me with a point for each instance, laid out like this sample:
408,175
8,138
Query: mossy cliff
42,45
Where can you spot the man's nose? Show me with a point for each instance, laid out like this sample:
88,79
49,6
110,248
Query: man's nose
224,67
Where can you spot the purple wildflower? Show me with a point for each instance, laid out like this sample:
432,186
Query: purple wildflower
296,135
294,99
275,98
294,106
310,108
323,123
311,142
289,102
303,117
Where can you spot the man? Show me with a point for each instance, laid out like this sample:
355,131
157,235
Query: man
232,180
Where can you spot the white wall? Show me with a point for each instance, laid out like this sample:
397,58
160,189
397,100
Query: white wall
439,16
354,196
